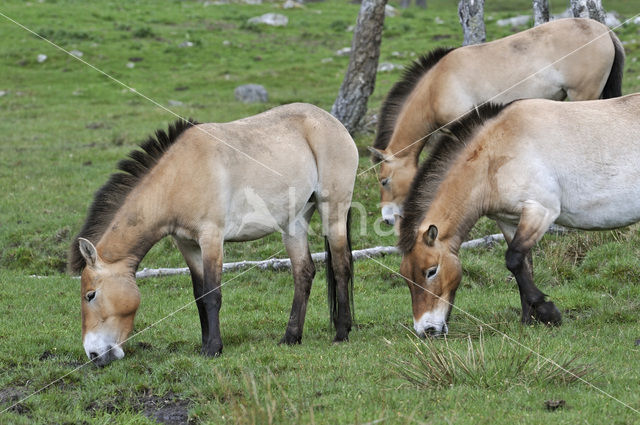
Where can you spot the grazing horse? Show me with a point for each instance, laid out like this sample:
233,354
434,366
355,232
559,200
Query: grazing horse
205,184
526,165
575,58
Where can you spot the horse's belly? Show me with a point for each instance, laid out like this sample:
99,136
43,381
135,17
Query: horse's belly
601,214
252,215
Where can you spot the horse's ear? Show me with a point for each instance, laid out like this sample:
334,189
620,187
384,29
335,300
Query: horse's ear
377,155
430,235
88,251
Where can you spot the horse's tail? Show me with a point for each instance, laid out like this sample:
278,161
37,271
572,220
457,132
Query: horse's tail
331,278
613,86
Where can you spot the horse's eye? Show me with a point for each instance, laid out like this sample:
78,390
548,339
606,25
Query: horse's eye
384,182
432,272
90,295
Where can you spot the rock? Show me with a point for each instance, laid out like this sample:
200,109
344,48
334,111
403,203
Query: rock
3,93
326,60
251,93
273,19
186,44
388,67
389,11
77,53
611,19
636,20
130,65
290,4
226,43
256,2
345,51
42,58
516,21
438,20
175,103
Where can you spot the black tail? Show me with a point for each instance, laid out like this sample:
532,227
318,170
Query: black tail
613,86
331,278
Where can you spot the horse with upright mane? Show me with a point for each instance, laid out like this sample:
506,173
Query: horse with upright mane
526,165
579,59
205,184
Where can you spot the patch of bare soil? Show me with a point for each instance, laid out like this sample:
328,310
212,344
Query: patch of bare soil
10,395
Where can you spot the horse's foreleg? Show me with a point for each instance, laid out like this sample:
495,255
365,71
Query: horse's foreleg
535,220
303,272
205,265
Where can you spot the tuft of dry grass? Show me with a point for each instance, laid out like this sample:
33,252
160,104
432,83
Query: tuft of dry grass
444,363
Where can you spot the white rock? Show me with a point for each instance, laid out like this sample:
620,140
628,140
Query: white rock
290,4
389,11
186,44
345,51
226,43
273,19
388,67
327,60
636,20
131,65
611,19
516,21
175,103
77,53
438,20
42,58
3,93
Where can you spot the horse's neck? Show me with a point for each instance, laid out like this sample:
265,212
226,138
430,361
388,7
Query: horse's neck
136,227
458,205
414,124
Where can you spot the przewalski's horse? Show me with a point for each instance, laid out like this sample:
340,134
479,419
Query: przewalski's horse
205,184
526,166
575,58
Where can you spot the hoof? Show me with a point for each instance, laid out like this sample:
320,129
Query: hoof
341,338
548,314
212,351
290,340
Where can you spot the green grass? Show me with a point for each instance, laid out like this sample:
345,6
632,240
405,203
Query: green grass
64,128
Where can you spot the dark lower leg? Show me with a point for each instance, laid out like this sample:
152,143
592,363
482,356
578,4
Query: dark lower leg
534,306
303,274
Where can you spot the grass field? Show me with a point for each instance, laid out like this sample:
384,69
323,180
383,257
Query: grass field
64,128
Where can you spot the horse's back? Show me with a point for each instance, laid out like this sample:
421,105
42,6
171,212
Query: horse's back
568,56
582,154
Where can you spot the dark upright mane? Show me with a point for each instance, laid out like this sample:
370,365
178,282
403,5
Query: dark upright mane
399,92
110,197
434,169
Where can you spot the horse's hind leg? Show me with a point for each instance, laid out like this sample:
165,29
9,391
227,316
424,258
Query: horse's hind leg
206,277
303,272
335,218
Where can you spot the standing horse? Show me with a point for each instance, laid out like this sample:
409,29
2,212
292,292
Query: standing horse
575,58
526,166
205,184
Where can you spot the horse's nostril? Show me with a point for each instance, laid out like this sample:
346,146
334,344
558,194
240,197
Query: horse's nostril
93,355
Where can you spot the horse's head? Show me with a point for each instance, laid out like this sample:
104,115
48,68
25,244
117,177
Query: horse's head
433,273
395,176
110,299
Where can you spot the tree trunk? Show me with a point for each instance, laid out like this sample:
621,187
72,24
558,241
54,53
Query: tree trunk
471,13
588,9
540,12
350,106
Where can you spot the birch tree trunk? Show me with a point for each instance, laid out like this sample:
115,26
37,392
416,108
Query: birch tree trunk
471,14
359,81
588,9
540,12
